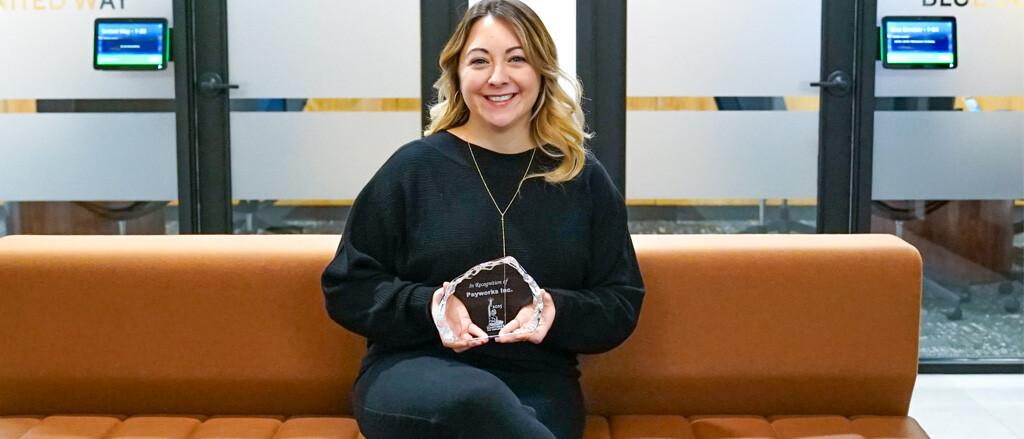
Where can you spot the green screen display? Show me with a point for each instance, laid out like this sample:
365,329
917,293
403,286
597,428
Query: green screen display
131,44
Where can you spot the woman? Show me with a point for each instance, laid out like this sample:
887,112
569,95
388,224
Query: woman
502,170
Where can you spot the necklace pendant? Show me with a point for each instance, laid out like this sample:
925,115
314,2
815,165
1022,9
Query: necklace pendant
493,295
489,194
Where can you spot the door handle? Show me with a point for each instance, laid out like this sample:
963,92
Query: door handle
837,84
210,84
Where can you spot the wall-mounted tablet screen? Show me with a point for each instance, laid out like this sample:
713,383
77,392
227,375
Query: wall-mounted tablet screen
919,42
130,44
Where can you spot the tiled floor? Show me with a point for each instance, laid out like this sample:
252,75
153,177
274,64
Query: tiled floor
970,406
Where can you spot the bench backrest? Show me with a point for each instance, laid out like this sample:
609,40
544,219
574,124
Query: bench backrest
235,325
767,325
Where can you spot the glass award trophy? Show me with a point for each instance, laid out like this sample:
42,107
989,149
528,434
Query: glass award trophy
493,293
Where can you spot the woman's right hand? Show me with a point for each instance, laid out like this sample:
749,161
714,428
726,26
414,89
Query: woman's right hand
458,320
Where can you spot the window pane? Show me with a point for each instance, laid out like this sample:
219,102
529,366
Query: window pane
722,124
84,151
949,176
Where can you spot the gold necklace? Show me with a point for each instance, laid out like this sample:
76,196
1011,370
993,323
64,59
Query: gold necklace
488,189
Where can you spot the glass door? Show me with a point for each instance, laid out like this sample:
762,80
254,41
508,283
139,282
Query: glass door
322,102
725,132
320,108
949,178
722,128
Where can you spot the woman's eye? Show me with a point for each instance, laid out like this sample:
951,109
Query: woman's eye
518,59
478,61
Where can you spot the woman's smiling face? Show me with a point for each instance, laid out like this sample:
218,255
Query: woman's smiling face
495,79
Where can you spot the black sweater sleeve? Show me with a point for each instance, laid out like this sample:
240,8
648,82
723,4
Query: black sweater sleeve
361,291
602,314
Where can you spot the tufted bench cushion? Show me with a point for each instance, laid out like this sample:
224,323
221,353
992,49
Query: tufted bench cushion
324,427
177,427
757,427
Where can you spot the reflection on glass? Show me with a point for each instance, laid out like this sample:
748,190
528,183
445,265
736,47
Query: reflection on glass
290,216
55,172
88,218
645,216
721,216
972,252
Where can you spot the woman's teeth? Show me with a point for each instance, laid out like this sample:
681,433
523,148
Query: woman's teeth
499,98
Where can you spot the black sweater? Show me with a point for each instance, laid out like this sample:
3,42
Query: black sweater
425,217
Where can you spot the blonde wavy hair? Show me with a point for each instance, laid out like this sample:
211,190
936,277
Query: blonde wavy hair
557,120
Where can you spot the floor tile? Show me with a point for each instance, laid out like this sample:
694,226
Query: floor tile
968,423
939,392
970,406
1012,419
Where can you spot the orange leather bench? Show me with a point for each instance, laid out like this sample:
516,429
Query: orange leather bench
745,336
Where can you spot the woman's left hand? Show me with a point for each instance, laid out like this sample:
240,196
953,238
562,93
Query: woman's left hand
513,330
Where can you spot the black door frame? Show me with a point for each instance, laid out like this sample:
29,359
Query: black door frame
601,67
204,156
849,44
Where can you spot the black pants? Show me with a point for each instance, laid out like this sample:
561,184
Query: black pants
431,395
